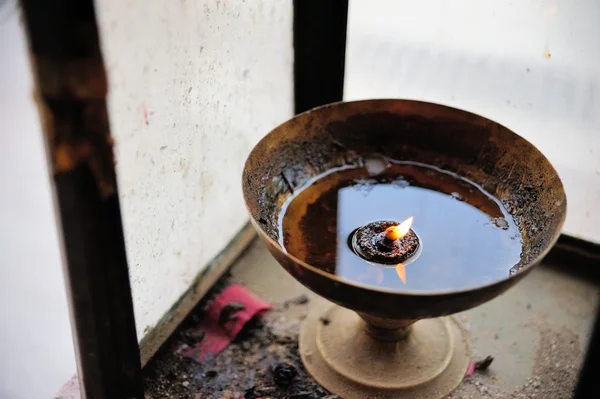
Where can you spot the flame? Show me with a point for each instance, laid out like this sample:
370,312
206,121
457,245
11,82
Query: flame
394,233
401,270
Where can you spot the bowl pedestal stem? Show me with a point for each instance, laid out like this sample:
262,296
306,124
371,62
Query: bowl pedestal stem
362,356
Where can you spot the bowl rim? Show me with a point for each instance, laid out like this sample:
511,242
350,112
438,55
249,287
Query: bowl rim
334,278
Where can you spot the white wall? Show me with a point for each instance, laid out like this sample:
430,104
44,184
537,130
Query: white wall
193,86
533,66
36,351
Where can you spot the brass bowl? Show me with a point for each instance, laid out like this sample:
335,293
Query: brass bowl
503,163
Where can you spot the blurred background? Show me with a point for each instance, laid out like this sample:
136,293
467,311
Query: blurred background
194,85
532,66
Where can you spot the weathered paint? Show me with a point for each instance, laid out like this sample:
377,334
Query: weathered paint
71,91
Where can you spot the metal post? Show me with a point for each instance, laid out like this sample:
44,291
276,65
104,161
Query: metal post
319,52
71,93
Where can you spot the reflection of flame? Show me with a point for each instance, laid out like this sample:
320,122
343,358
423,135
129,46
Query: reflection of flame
401,270
394,233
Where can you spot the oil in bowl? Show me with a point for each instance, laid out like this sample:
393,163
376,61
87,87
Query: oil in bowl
466,236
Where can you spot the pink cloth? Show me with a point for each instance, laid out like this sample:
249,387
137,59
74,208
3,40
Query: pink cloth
218,336
470,369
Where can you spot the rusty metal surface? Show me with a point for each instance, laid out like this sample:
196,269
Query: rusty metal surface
485,152
71,96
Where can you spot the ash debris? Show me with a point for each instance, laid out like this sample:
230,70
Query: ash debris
554,375
263,362
247,368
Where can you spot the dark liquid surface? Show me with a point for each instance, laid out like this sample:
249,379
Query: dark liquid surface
467,237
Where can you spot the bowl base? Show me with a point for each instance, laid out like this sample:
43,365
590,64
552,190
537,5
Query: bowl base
339,354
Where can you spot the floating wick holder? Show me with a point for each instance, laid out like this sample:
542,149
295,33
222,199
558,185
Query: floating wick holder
370,242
